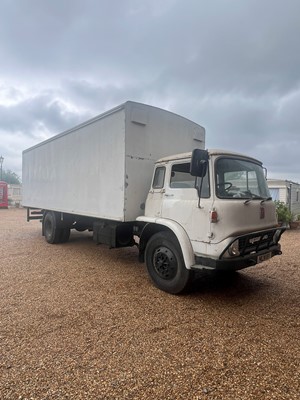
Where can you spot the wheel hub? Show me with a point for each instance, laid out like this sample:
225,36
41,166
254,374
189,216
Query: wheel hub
165,263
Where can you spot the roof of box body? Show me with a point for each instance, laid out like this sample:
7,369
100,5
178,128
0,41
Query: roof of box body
106,113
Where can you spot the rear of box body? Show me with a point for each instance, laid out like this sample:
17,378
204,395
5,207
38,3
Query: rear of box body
103,168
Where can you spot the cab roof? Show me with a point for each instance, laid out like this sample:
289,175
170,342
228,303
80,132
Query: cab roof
214,152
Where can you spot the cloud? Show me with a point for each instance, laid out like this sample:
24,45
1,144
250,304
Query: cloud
44,109
28,120
233,67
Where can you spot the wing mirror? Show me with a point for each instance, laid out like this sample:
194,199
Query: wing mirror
199,163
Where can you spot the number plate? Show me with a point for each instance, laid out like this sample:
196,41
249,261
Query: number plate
263,257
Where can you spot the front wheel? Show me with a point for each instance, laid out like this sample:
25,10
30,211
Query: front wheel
165,263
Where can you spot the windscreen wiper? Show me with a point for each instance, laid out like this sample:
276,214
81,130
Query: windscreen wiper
255,196
266,199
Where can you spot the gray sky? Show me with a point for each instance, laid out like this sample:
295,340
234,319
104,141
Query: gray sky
232,66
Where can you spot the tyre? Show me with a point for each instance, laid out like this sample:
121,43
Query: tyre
165,263
65,234
52,231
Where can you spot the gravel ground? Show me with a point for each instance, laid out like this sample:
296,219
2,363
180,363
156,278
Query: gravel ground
80,321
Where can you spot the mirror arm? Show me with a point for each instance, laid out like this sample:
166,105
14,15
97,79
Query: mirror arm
199,190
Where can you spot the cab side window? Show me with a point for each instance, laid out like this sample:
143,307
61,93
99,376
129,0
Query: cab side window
181,177
159,178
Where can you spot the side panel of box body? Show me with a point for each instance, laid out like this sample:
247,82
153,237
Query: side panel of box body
80,171
152,133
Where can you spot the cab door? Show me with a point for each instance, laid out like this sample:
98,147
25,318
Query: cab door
181,202
156,194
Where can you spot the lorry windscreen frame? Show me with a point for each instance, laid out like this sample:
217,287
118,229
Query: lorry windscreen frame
238,178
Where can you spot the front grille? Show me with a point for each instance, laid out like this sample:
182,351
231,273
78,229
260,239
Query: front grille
256,242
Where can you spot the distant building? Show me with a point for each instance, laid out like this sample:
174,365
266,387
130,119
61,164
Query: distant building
14,195
287,192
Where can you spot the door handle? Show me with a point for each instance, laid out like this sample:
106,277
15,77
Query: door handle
169,195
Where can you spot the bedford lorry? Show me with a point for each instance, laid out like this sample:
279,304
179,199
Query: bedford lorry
140,175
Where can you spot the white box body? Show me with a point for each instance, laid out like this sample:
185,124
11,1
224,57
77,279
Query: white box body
103,167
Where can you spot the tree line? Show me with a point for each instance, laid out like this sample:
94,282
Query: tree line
11,177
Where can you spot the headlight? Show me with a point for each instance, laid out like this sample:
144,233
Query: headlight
276,236
233,249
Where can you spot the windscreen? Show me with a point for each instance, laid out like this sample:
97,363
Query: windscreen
237,178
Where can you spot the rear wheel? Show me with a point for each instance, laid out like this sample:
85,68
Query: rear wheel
165,263
53,232
65,234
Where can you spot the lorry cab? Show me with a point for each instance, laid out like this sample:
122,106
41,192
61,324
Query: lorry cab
218,206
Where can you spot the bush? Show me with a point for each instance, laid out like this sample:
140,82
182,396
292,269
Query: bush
283,213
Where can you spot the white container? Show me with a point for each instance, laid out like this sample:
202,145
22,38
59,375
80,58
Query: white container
103,167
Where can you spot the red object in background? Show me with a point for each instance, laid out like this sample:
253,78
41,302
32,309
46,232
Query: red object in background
3,195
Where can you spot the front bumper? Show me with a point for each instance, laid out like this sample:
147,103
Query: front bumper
252,252
235,263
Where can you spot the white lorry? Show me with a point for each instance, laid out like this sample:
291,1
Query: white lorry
116,176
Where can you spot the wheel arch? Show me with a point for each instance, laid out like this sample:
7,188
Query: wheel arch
160,225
